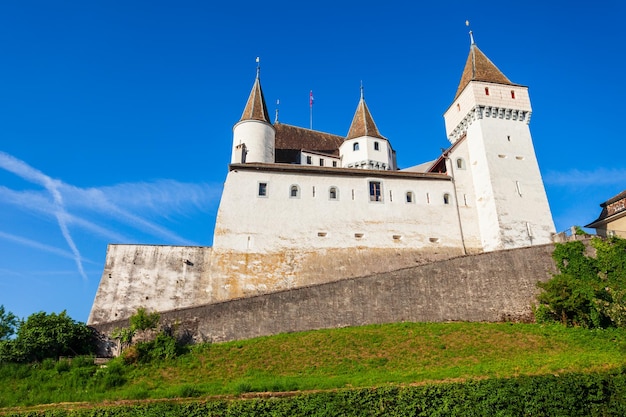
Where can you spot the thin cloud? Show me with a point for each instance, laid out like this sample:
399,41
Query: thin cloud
23,170
36,245
578,178
88,208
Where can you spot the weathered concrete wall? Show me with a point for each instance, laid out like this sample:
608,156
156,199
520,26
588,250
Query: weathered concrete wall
163,278
493,286
155,277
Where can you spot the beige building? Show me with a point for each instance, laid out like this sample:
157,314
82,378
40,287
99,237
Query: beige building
612,219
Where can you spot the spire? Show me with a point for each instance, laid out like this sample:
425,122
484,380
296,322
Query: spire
479,68
363,123
255,107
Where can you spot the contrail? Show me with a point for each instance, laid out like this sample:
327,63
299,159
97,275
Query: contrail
27,172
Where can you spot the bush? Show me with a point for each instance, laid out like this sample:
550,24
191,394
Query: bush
588,291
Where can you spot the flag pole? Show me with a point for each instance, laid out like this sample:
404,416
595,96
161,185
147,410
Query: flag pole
311,110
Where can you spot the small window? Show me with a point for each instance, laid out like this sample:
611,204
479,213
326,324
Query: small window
321,162
446,198
512,94
355,146
375,191
308,160
376,146
262,189
460,163
458,106
294,191
334,164
333,194
409,197
486,91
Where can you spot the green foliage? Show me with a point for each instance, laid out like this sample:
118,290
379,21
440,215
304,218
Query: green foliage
44,336
8,324
163,347
142,320
589,291
568,395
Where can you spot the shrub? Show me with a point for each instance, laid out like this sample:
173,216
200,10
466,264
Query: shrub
589,291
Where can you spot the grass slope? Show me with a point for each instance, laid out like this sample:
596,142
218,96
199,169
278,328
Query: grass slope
378,355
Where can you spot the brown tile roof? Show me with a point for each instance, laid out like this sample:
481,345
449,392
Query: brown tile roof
255,107
480,68
363,123
298,138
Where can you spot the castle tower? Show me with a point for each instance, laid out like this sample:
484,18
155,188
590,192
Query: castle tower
364,146
254,136
501,195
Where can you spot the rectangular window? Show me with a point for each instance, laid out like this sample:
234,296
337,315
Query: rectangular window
334,163
262,189
308,160
321,162
375,191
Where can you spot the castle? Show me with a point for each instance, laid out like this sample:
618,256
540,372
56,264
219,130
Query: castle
302,207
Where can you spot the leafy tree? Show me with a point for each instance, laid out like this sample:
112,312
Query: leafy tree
590,290
8,324
44,335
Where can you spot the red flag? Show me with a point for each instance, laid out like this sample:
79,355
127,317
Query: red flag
311,99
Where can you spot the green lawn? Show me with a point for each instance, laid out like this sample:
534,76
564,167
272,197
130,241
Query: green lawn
378,355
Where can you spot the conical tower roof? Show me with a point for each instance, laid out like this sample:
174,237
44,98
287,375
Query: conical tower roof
480,68
256,109
363,123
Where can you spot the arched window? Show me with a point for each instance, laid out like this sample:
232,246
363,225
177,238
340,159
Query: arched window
409,197
460,163
333,193
446,198
294,191
355,146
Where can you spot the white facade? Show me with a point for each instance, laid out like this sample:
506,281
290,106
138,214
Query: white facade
265,210
501,170
253,141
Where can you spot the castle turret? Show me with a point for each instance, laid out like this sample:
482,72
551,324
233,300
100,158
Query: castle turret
254,136
364,146
493,159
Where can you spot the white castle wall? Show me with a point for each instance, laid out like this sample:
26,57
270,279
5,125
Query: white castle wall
512,206
259,139
313,220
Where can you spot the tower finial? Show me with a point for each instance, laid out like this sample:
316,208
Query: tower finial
470,33
361,89
258,67
276,117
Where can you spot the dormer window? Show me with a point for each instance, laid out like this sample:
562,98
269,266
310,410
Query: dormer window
355,146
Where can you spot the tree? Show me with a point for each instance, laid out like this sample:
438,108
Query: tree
590,289
8,324
44,335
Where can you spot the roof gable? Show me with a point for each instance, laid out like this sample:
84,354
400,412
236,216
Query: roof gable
363,123
255,107
480,68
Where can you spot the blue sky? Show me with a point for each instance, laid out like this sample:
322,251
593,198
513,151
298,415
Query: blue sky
116,117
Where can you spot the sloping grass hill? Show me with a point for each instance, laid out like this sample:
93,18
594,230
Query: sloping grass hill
402,354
